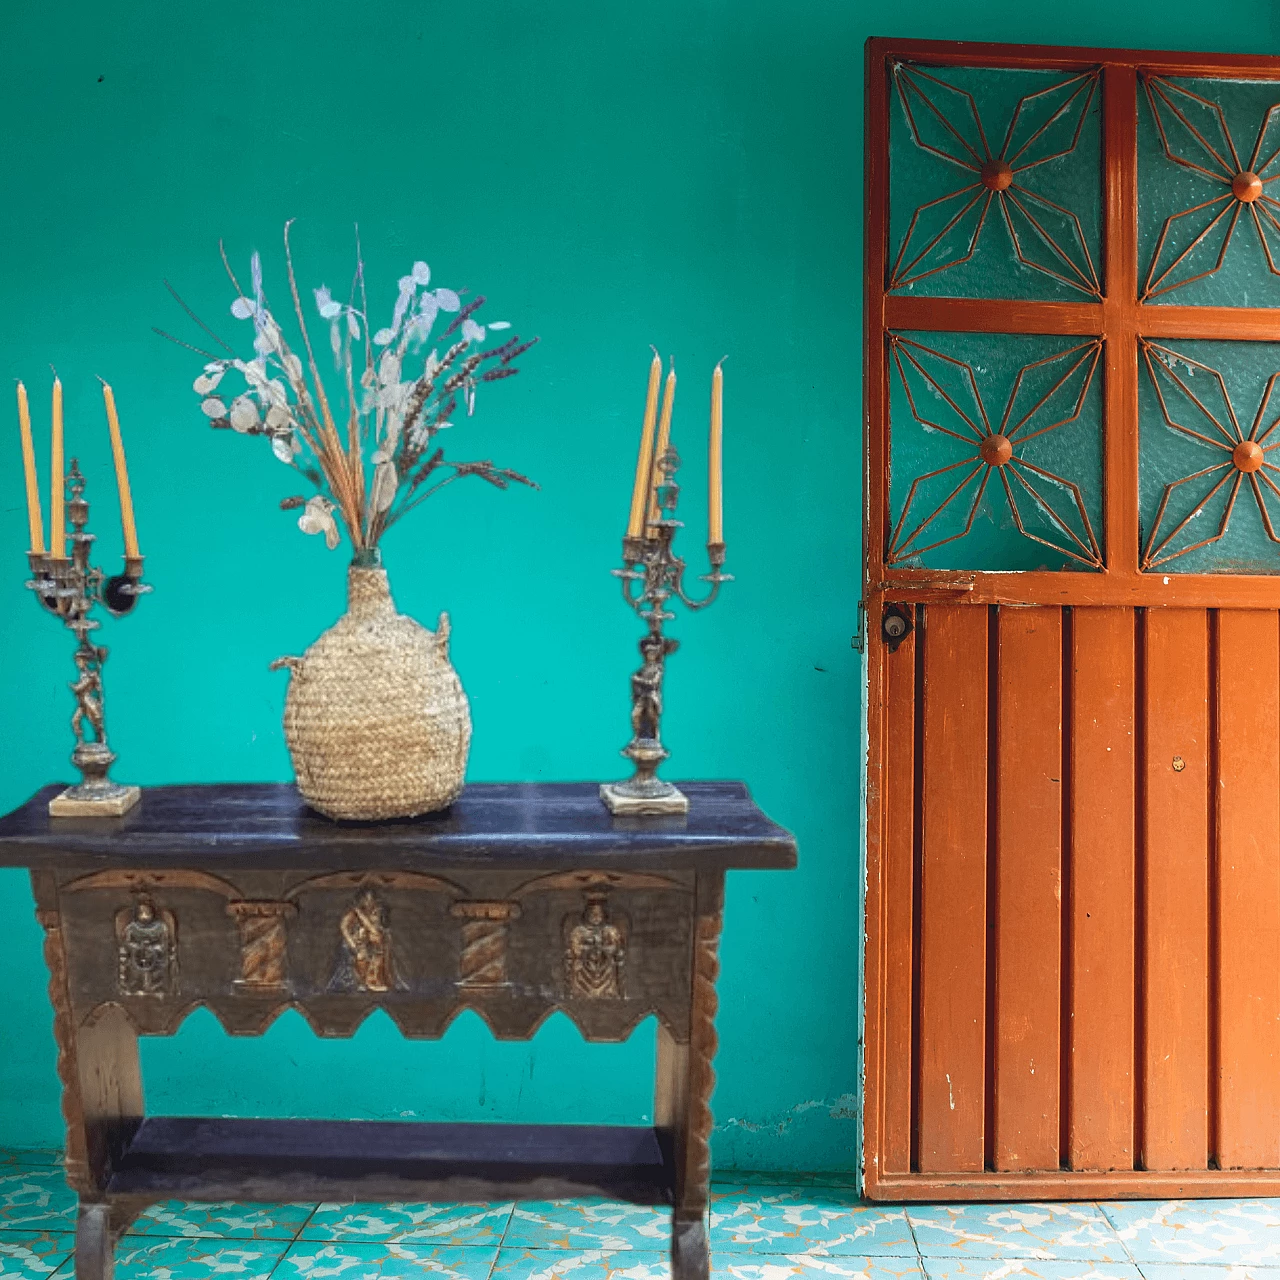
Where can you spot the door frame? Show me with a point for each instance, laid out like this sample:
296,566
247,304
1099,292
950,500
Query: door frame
1120,319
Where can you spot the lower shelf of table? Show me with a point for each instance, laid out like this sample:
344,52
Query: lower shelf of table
172,1158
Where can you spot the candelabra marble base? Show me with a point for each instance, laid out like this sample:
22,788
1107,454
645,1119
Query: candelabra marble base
72,805
623,799
97,796
119,800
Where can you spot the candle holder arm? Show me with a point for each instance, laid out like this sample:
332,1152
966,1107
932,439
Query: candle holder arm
715,553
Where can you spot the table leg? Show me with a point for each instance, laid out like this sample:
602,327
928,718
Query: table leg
97,1063
95,1257
685,1081
101,1093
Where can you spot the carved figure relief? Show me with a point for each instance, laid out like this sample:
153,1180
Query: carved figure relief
147,953
482,961
262,942
366,962
595,952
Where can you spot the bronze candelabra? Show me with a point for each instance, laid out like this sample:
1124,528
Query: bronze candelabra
653,574
70,587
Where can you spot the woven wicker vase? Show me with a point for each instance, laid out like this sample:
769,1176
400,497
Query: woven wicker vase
376,720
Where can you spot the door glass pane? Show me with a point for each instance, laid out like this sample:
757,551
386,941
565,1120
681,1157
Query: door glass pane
995,451
995,183
1208,201
1208,474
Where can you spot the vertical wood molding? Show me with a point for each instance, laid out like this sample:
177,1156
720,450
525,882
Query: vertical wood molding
953,926
1028,876
1101,1023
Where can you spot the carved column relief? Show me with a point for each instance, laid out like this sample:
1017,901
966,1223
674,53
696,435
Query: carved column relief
595,951
483,959
147,952
263,939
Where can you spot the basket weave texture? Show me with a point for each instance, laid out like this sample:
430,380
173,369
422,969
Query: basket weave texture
376,720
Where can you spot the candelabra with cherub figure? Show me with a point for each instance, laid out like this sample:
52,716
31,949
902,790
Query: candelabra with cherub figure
652,575
68,586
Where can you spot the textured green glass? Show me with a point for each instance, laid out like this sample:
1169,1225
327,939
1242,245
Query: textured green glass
1197,401
1199,243
950,507
995,186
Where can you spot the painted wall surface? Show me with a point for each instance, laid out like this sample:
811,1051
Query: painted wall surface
687,173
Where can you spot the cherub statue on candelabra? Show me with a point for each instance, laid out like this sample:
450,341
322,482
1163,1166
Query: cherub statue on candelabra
653,576
646,686
88,690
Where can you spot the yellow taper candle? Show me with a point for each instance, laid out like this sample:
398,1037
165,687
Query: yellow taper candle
122,475
35,517
664,440
57,479
715,497
640,492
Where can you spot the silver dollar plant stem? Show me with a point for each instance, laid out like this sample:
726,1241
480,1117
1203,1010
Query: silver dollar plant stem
652,575
70,587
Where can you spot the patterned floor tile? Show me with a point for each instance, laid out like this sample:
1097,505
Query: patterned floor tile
588,1224
428,1224
223,1221
806,1220
146,1258
1239,1231
366,1260
36,1200
1207,1271
1045,1232
29,1158
1027,1269
806,1266
33,1255
581,1264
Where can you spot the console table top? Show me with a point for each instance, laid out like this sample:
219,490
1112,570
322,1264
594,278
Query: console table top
267,826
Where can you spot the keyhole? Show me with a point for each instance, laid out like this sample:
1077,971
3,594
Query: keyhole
895,626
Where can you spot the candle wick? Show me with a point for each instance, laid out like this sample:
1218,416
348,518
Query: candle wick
55,373
722,360
101,379
657,355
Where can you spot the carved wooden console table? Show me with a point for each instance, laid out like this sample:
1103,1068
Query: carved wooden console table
519,901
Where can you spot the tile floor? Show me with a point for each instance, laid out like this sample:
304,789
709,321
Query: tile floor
761,1229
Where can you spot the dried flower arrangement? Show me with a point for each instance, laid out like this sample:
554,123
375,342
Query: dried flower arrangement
392,416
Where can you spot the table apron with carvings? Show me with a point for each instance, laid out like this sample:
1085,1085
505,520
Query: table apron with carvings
607,948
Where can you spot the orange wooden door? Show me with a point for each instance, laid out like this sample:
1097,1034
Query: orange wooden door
1073,594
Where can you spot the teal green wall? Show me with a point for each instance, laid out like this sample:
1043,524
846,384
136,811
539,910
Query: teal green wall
683,172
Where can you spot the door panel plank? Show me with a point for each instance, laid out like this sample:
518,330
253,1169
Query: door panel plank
899,854
953,887
1101,998
1248,868
1175,890
1028,880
